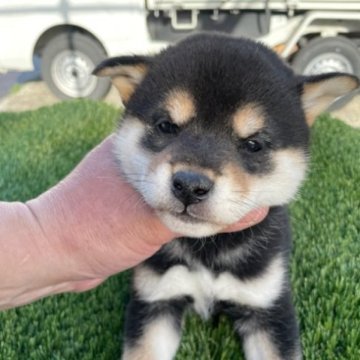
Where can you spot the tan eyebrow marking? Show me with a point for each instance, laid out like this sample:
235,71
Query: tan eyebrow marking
248,120
180,105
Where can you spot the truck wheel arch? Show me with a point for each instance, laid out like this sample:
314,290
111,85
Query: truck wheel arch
54,31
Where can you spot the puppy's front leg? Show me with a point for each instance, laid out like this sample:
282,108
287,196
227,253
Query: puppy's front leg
270,334
153,330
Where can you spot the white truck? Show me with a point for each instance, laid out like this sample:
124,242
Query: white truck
71,36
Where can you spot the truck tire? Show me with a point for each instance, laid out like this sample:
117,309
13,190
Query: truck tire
322,55
66,65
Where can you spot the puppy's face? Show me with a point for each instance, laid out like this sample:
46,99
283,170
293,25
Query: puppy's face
215,127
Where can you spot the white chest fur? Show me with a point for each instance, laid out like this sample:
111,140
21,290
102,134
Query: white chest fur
206,288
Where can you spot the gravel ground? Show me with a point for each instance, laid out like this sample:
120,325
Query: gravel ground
36,94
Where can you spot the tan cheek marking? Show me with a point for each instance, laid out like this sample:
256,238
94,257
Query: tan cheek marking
248,120
238,177
181,107
159,159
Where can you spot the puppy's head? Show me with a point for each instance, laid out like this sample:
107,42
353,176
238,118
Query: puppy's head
215,127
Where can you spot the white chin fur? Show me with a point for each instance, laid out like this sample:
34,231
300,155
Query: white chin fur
195,230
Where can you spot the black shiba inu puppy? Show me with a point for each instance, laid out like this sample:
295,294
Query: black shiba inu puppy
214,127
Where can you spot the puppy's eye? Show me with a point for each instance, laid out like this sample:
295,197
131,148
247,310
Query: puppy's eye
252,146
167,127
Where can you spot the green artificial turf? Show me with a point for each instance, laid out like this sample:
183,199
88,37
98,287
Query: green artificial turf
38,148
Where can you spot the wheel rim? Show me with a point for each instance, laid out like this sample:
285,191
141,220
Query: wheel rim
71,73
328,62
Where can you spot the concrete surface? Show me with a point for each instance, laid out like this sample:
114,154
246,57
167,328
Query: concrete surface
34,95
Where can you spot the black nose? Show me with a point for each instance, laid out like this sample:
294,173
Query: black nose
191,187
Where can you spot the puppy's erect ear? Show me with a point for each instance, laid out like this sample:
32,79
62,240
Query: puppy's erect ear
126,73
320,91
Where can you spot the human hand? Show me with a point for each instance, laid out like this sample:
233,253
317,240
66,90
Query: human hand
88,227
107,227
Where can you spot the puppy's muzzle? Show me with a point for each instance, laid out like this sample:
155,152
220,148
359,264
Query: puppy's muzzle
191,187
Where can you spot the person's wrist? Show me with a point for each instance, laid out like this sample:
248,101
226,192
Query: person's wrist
58,239
56,255
35,268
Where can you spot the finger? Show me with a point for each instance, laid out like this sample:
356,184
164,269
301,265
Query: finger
84,285
252,218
